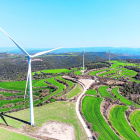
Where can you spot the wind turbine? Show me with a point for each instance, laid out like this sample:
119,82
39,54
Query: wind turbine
83,57
29,76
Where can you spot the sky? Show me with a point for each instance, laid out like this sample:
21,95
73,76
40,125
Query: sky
70,23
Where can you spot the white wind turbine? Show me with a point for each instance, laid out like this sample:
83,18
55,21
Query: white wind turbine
83,57
29,76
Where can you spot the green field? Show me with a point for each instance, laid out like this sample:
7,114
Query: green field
108,72
56,71
119,122
60,86
10,135
91,92
69,82
63,112
116,66
16,85
95,72
126,73
103,92
135,120
77,90
91,111
53,71
40,83
78,72
122,99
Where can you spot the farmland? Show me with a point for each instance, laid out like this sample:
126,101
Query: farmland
122,99
135,119
91,111
116,71
119,122
103,92
19,87
91,92
57,96
74,92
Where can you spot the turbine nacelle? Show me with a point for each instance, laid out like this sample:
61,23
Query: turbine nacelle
28,57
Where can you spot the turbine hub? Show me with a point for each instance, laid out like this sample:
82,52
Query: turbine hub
27,57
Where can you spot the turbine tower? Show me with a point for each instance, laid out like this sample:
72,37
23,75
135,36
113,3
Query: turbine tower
29,76
83,57
109,54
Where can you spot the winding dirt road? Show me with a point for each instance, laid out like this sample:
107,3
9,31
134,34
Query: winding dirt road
78,112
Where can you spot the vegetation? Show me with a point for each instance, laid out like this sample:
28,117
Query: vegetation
119,122
40,83
91,92
108,72
61,87
77,90
67,81
135,119
91,111
121,98
57,71
10,135
63,112
97,65
103,92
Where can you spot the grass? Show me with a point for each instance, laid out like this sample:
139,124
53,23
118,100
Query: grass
61,87
53,71
135,120
122,99
15,85
103,92
119,122
91,92
91,111
2,102
125,72
40,83
77,90
10,135
108,72
63,112
95,72
56,71
75,69
69,82
78,72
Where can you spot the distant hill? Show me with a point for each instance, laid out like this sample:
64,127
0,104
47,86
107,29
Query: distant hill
13,67
116,50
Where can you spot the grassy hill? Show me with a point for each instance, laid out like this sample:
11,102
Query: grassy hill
58,111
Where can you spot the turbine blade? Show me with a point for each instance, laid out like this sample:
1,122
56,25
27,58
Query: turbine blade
15,43
40,53
26,83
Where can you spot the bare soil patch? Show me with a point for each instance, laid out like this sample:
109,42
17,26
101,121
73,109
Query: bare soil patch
87,82
109,82
59,131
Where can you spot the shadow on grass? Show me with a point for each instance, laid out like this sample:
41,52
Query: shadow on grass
1,115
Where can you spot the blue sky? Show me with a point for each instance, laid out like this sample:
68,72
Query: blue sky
70,23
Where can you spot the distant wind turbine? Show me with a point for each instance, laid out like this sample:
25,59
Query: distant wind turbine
29,76
83,57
